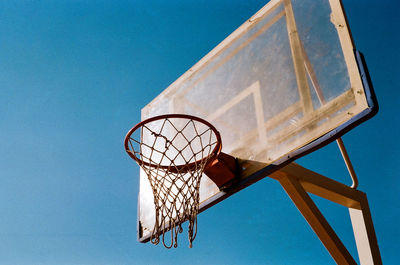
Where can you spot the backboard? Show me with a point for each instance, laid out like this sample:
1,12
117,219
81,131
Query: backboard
286,82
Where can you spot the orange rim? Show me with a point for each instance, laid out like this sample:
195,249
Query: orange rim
178,168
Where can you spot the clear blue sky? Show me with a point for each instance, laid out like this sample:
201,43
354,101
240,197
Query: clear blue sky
73,78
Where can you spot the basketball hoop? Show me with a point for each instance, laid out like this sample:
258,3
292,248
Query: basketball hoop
174,150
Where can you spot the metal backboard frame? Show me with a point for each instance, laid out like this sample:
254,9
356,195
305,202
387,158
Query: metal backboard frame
316,115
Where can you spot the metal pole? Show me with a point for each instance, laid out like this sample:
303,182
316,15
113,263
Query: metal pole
347,161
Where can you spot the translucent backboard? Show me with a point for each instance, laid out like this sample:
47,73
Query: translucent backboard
283,84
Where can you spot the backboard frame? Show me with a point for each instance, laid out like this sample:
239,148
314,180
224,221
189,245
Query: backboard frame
263,170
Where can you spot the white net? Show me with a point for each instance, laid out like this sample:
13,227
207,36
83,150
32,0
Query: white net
173,152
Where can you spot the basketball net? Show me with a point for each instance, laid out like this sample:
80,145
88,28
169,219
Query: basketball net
173,152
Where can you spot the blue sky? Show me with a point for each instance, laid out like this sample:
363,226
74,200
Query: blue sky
73,78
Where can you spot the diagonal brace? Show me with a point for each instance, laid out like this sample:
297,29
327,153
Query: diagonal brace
297,181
